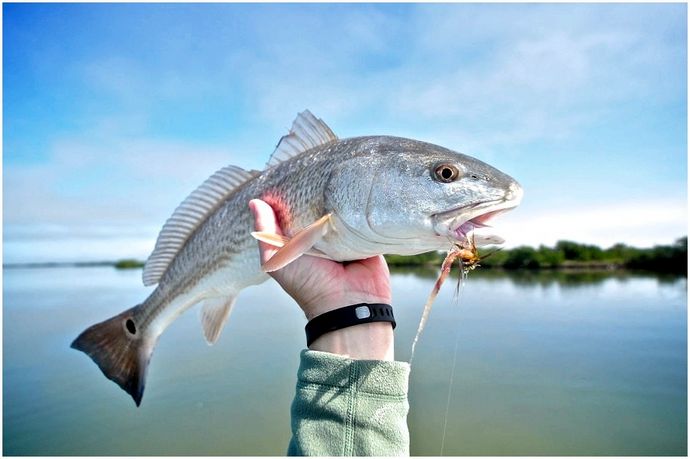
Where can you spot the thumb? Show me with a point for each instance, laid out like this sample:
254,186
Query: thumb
264,221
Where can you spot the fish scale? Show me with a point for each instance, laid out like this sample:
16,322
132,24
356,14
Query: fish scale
340,199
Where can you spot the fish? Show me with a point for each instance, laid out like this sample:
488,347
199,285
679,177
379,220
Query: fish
341,199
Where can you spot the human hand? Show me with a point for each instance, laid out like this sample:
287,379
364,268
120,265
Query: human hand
319,285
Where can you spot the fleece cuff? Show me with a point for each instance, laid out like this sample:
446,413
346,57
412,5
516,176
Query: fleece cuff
346,407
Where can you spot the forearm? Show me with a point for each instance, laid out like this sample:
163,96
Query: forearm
350,407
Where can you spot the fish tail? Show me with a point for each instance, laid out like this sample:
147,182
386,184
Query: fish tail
121,350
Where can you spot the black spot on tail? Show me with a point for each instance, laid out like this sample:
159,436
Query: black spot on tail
121,357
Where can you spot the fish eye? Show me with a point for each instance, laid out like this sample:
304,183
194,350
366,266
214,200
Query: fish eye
446,173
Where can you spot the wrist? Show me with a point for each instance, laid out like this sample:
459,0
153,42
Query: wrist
369,341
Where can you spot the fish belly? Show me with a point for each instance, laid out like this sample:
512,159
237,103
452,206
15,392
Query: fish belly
240,272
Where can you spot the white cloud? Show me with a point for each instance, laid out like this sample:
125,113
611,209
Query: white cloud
66,250
109,180
640,224
478,72
475,78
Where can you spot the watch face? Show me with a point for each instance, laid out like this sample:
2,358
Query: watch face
362,312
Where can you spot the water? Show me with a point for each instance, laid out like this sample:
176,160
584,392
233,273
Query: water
547,365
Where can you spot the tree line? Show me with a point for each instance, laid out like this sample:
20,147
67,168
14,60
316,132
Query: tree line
568,254
564,255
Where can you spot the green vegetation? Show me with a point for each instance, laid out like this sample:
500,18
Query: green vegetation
128,263
571,255
423,259
565,255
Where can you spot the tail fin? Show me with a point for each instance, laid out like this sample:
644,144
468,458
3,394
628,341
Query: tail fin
121,350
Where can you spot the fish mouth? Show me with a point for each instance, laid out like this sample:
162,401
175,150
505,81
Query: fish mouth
461,224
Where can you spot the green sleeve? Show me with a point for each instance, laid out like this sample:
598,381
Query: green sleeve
346,407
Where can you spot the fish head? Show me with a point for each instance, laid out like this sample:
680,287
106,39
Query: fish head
421,196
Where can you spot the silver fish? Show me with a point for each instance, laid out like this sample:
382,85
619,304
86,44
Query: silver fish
340,199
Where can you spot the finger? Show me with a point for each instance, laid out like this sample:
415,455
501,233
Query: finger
264,220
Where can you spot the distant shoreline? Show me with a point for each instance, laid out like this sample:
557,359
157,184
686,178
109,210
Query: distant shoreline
59,264
566,256
118,264
570,256
393,261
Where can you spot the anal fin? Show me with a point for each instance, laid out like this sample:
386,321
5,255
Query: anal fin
214,314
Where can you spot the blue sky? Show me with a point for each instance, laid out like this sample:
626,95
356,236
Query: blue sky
113,113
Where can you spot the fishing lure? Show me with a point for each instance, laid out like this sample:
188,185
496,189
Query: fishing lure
469,258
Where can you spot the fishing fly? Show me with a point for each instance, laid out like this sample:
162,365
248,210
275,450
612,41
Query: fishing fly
469,257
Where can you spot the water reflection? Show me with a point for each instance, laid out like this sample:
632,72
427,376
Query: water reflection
545,278
548,363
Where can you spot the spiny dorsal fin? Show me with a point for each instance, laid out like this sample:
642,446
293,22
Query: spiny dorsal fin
189,215
307,132
214,314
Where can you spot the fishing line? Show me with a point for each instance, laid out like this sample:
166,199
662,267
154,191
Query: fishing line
445,269
420,327
469,259
461,289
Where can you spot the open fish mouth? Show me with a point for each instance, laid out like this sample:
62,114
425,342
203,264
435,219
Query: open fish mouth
480,221
471,221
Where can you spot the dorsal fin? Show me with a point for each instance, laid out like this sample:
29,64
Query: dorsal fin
307,132
189,215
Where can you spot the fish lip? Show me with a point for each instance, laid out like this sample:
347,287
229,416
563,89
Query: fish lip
450,222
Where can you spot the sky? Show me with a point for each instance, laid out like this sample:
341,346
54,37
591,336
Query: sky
114,113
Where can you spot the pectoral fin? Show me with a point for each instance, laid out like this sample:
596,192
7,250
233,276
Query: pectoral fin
214,314
276,240
297,246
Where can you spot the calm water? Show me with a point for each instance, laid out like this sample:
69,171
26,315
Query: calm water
545,365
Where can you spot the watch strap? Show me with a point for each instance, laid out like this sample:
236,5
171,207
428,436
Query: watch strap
361,313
